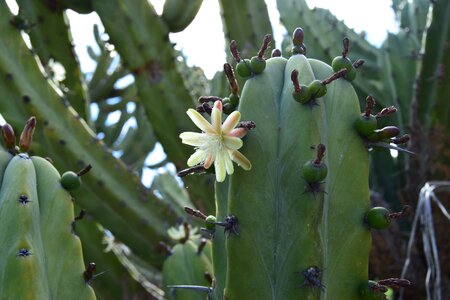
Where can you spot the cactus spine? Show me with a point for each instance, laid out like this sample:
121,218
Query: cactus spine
40,256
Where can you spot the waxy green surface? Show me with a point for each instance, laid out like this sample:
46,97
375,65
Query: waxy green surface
283,229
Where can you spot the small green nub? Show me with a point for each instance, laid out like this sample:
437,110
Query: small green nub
243,68
377,218
313,172
228,107
70,181
257,64
340,63
367,293
365,125
317,89
303,96
234,99
210,222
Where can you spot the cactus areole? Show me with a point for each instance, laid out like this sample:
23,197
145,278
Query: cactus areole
300,210
40,256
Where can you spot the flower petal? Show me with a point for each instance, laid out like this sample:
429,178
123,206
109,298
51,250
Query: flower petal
199,156
208,161
216,116
241,160
201,122
219,165
231,121
228,164
193,138
232,143
238,132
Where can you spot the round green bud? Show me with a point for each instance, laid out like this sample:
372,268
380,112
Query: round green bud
257,64
313,172
243,68
228,107
234,99
317,89
340,63
303,96
351,74
378,218
367,293
210,222
70,181
365,125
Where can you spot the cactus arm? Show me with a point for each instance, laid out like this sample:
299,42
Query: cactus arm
155,74
20,230
246,22
57,215
346,197
178,14
219,254
435,42
51,39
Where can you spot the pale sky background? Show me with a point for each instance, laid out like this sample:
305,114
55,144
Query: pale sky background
376,18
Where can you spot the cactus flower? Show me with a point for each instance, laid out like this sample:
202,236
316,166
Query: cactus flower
218,143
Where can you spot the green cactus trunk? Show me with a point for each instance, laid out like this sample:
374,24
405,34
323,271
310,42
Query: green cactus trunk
284,229
40,256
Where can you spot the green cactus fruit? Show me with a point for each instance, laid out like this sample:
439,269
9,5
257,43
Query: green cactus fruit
210,222
368,293
314,172
40,258
378,218
257,64
234,99
70,180
186,267
317,89
365,125
303,96
243,68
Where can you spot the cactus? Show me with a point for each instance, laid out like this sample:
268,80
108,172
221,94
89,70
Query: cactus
295,225
41,257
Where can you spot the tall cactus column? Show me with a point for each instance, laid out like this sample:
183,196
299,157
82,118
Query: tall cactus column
296,218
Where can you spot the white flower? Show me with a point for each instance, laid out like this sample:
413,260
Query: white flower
218,143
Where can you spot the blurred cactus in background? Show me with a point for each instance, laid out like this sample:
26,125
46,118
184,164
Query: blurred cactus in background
124,221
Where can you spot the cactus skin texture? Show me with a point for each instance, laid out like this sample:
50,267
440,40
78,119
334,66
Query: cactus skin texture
285,229
40,258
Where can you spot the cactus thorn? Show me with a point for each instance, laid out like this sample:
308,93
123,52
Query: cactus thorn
294,79
320,153
23,199
297,37
370,104
163,247
204,108
358,63
84,170
249,125
395,282
401,140
234,87
276,53
345,46
265,44
401,214
9,137
312,278
199,169
206,99
26,137
23,252
230,225
201,246
334,76
195,212
386,112
234,51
